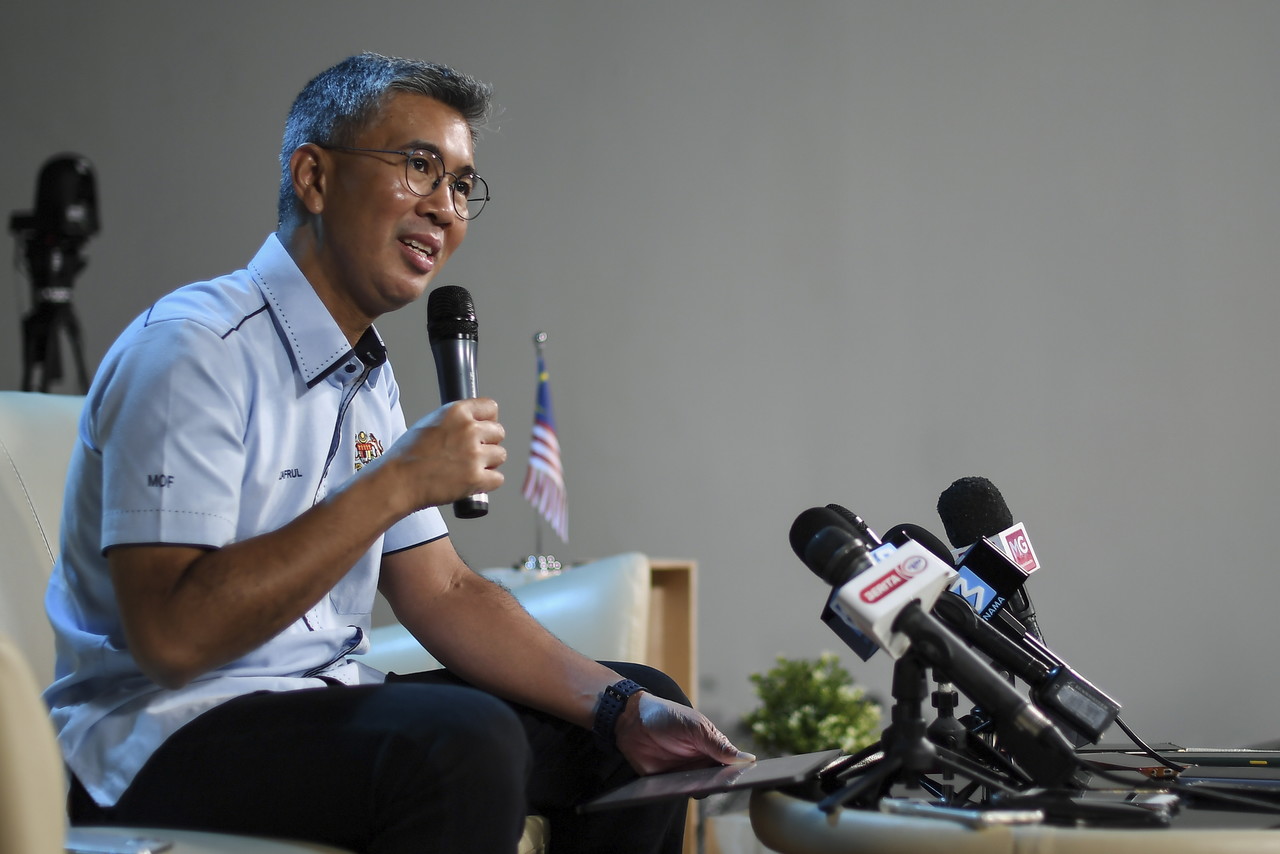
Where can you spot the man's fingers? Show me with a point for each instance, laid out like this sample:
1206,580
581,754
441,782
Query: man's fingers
480,408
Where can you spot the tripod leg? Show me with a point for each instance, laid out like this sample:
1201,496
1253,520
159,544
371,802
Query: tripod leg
77,349
876,777
849,762
984,752
960,765
35,348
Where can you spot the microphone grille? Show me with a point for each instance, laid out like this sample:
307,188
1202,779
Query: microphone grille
451,313
972,508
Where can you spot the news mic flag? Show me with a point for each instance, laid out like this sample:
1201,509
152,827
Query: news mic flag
544,479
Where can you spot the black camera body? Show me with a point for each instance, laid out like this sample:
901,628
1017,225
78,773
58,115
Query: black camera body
65,217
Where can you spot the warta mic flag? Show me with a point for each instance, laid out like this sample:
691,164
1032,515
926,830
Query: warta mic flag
544,480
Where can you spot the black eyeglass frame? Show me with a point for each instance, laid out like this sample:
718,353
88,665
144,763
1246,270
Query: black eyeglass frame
480,185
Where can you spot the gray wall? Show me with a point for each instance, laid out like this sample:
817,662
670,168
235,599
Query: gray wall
790,254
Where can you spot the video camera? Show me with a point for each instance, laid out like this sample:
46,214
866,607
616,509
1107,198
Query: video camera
52,237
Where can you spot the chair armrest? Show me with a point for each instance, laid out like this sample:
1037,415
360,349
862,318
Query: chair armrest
600,609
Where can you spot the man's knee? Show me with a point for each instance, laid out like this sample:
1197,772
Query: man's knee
452,771
452,725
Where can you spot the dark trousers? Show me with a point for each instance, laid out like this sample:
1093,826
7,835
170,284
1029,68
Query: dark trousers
423,763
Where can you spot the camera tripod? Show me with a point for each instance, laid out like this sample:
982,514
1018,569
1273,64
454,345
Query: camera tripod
51,238
42,330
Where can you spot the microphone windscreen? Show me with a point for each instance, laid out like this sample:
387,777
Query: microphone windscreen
451,313
972,508
856,524
809,523
824,542
899,534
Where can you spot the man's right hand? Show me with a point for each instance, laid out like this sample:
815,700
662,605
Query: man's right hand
449,454
188,610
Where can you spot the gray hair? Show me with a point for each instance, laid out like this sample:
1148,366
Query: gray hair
339,102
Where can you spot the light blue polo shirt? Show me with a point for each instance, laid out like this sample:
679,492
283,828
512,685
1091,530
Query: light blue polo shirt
224,411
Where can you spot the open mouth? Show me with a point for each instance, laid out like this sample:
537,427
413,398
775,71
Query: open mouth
420,248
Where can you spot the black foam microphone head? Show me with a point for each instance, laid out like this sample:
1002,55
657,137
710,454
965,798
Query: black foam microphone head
809,523
451,313
972,508
827,544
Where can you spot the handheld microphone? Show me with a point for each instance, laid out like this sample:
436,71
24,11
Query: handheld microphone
451,329
890,601
974,512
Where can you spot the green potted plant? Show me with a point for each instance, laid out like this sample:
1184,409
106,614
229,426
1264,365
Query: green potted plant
805,705
811,704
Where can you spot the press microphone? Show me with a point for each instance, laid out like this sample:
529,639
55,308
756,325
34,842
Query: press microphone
985,577
973,511
869,595
1066,696
985,597
857,525
451,329
899,534
889,602
975,516
861,645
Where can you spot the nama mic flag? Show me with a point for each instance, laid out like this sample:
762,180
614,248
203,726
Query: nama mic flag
544,480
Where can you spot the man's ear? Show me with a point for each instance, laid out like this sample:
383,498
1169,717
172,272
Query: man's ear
308,167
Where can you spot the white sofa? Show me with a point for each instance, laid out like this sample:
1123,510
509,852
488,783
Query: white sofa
600,609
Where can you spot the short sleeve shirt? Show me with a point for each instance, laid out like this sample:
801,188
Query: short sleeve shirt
224,411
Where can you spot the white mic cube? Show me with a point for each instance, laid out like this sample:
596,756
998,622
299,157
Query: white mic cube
872,599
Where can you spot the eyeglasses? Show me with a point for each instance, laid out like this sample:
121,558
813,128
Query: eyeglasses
424,172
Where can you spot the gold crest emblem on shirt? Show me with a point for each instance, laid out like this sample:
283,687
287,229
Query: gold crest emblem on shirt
368,449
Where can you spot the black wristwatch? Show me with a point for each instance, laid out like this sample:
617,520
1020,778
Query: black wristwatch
612,702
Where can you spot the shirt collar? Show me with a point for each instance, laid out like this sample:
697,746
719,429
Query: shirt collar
306,327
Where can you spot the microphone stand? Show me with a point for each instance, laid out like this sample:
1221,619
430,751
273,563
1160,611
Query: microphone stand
956,734
908,754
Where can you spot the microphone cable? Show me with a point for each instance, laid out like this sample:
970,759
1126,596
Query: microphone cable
1147,750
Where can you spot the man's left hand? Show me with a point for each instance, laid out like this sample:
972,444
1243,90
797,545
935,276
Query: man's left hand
657,735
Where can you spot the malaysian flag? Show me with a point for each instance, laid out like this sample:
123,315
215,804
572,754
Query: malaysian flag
544,480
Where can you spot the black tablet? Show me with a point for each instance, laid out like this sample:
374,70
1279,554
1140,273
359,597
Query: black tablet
700,782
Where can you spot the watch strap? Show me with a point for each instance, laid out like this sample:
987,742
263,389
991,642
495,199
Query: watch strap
612,701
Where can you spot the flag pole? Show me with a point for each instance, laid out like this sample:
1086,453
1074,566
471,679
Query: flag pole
544,479
539,341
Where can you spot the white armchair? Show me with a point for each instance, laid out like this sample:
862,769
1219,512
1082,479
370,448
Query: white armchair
33,786
601,609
